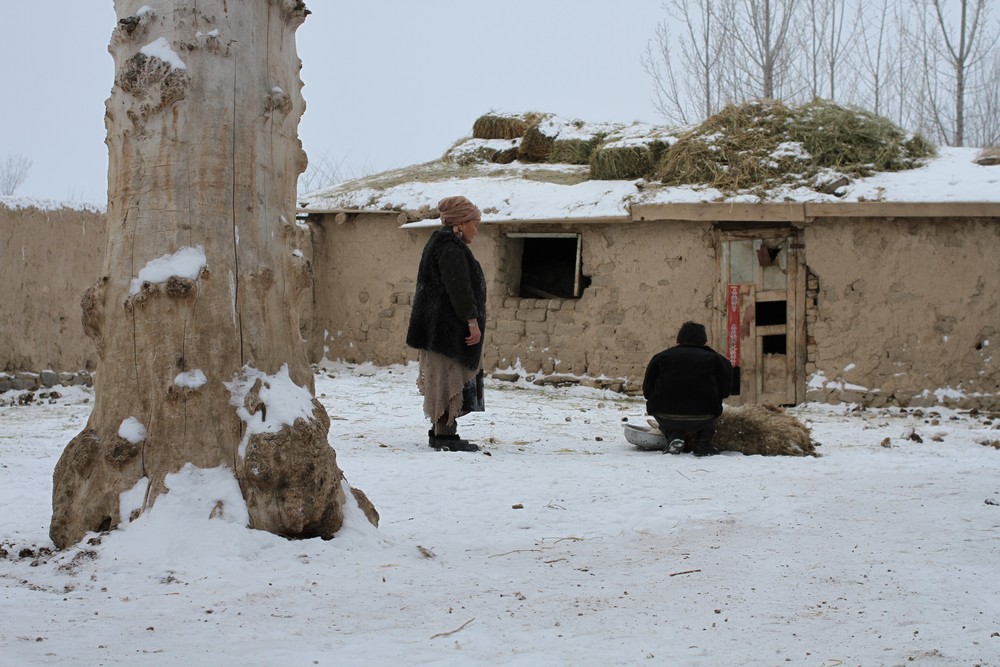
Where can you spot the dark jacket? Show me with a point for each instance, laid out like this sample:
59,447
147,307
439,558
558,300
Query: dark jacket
451,290
687,380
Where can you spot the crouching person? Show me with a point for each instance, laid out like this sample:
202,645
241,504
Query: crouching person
684,387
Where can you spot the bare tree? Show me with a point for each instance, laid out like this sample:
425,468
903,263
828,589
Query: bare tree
827,39
763,35
986,106
196,317
322,173
839,40
927,64
13,172
957,59
814,43
691,85
876,55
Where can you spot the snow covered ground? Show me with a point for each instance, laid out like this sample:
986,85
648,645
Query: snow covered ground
558,545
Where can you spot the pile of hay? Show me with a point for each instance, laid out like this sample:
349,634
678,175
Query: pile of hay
989,156
854,141
760,145
762,429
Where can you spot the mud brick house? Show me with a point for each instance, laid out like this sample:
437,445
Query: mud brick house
883,291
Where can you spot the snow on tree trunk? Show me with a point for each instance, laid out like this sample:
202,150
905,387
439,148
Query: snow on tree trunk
196,317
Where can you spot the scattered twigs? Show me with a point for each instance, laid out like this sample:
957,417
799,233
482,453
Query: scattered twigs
674,574
451,632
515,551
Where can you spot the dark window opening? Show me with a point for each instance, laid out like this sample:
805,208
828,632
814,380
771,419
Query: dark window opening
771,312
550,268
774,344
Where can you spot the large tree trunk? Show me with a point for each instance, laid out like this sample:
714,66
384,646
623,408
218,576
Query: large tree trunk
196,317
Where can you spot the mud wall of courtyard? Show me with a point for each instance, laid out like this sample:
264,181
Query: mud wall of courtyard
48,258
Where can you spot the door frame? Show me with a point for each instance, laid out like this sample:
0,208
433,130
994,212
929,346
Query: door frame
750,294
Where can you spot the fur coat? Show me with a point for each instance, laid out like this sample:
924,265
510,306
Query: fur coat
451,290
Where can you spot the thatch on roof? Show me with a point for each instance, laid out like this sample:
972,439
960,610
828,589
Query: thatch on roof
763,144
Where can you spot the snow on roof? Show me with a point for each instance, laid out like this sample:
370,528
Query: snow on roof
520,191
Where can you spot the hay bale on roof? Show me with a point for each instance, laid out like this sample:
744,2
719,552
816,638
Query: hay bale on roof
535,146
762,429
491,126
505,126
617,161
506,156
574,151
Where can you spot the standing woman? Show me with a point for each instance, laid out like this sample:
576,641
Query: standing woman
446,324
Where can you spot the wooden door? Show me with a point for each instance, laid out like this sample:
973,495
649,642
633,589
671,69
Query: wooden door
762,290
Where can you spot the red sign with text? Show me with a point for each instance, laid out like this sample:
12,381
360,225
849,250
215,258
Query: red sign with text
733,324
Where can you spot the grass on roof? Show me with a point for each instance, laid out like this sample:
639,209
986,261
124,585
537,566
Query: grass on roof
764,144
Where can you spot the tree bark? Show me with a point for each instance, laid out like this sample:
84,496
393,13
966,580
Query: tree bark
196,317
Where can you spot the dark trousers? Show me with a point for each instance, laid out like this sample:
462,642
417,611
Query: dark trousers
695,434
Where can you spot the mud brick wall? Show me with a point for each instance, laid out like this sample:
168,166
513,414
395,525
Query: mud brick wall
906,312
645,280
48,258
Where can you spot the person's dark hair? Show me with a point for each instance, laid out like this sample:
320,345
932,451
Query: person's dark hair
692,333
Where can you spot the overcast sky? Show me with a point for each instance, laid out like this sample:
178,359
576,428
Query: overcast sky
387,82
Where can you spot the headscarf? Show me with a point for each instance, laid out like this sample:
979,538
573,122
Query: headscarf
457,210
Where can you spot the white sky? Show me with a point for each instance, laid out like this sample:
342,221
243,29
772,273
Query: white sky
388,83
